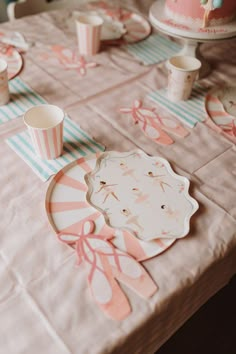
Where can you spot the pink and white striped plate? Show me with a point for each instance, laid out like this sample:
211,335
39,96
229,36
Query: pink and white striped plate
137,27
14,61
67,208
221,108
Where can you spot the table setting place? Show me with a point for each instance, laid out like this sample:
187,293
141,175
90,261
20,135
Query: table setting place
125,160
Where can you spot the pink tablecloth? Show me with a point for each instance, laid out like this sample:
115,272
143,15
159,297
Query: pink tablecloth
45,305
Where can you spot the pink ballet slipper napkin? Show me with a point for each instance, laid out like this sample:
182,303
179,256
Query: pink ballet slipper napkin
105,265
189,112
76,144
154,49
68,59
152,124
22,97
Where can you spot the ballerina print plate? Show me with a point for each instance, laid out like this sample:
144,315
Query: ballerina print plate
141,194
67,208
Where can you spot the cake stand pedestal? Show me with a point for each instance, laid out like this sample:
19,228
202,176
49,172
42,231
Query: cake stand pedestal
190,37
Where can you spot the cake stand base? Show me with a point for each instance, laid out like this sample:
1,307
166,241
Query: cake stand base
192,48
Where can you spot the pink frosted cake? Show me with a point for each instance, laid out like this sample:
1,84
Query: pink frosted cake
201,13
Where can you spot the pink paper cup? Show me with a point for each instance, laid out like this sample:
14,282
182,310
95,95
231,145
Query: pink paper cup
45,126
182,72
89,34
4,88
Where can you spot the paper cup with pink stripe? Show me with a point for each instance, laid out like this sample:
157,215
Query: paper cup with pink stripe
89,33
45,125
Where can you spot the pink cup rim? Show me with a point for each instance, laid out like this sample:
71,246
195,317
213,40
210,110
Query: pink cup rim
29,111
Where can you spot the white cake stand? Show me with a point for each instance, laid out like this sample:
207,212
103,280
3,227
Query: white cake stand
191,37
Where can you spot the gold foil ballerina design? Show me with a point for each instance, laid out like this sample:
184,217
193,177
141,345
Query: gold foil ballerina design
128,171
108,190
140,196
132,219
157,180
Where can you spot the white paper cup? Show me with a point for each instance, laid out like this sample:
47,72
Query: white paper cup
45,125
182,72
89,33
4,88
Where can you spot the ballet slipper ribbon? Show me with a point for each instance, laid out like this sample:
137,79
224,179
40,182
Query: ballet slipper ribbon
153,124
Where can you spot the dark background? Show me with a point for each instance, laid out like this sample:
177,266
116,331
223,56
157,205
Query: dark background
212,330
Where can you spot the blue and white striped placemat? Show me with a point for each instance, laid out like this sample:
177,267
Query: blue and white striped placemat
188,112
22,98
154,49
77,144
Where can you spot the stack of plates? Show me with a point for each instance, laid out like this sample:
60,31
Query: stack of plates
136,198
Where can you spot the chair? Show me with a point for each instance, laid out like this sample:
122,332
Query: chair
3,11
31,7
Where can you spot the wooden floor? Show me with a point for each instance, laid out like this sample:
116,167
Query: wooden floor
212,330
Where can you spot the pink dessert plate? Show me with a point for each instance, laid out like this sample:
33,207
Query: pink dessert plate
13,59
138,28
67,208
220,105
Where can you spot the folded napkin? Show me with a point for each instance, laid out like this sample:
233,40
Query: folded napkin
188,112
77,144
154,49
22,98
15,39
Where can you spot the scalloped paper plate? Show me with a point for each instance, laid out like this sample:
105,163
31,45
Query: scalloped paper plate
141,194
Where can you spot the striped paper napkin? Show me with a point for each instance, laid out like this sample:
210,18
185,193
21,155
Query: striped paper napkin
154,49
188,112
22,98
77,144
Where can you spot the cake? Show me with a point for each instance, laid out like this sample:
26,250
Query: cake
201,13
